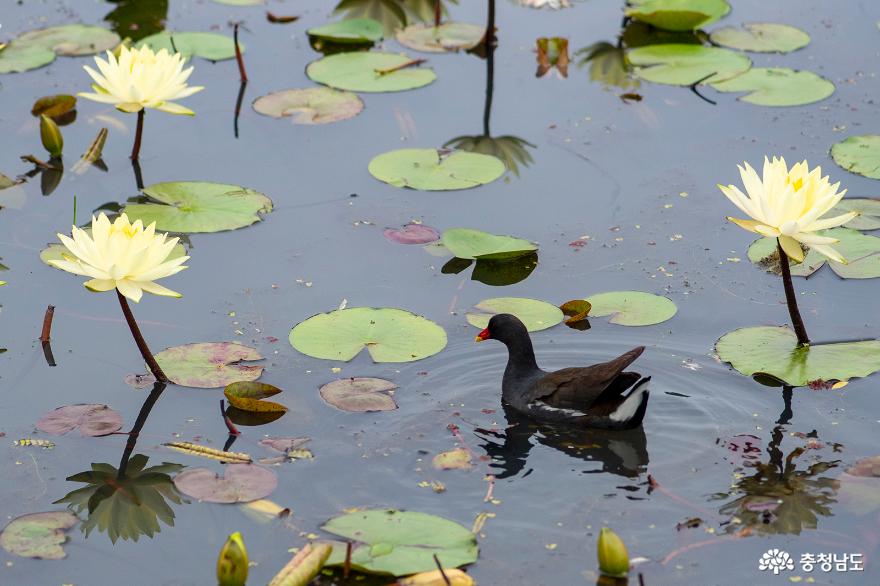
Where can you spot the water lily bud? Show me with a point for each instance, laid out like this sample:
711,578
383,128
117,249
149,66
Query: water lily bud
51,136
232,565
454,577
613,557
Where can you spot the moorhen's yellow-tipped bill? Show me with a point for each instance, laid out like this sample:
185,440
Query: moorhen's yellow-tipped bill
483,336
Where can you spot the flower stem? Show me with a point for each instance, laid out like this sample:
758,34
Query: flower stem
136,149
796,321
139,339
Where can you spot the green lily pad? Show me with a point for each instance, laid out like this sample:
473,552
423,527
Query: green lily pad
18,57
247,395
631,308
211,46
71,39
316,105
536,315
682,64
860,250
200,206
778,86
859,154
678,15
468,243
208,365
353,30
38,535
401,542
761,37
773,351
433,170
369,72
450,36
389,334
868,208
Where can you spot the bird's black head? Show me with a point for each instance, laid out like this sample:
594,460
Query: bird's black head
503,327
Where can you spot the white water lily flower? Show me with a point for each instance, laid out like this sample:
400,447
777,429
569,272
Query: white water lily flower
140,78
122,256
788,204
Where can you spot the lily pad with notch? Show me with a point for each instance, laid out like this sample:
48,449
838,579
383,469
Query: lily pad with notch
859,154
208,365
861,251
436,170
210,46
677,15
536,315
240,483
468,243
684,64
316,105
38,535
632,308
71,40
91,420
778,86
370,72
448,37
360,394
761,37
20,57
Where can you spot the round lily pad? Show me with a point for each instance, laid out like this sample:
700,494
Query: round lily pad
632,308
240,483
18,57
92,420
350,30
208,365
246,395
868,208
450,36
682,64
859,154
678,15
360,394
71,39
433,170
370,72
401,542
211,46
38,535
861,251
472,244
389,334
200,206
773,351
536,315
761,37
412,234
316,105
778,86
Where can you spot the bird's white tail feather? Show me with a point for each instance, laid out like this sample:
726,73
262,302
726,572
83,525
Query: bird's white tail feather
631,404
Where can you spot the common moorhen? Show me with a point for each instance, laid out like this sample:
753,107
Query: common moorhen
590,396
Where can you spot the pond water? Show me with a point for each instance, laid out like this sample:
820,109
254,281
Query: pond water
638,178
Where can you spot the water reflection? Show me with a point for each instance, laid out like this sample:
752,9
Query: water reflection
393,14
137,19
496,273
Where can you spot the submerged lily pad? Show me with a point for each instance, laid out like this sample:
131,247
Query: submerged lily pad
868,208
449,36
211,46
19,57
860,250
92,420
240,483
778,86
536,315
401,542
351,30
71,39
761,37
677,15
360,394
632,308
369,72
682,64
200,206
773,351
859,154
433,170
456,459
389,334
412,234
246,395
38,535
468,243
208,365
316,105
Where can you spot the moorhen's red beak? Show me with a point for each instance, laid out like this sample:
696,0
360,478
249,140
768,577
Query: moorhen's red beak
483,336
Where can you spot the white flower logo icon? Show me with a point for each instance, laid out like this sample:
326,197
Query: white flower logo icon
776,560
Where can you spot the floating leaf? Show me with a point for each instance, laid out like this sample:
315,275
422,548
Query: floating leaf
536,315
304,566
778,86
860,250
71,39
449,36
208,365
53,106
412,234
457,459
401,542
552,53
866,467
681,64
476,244
774,351
18,57
433,170
209,46
389,334
761,37
632,308
252,418
200,206
92,420
369,72
210,453
360,394
868,209
446,577
677,15
246,395
38,535
284,444
240,483
576,312
352,30
859,154
317,105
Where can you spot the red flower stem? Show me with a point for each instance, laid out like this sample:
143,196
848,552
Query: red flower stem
139,340
796,321
136,149
238,58
47,324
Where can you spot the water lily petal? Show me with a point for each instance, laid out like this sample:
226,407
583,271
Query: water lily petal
830,253
130,289
792,248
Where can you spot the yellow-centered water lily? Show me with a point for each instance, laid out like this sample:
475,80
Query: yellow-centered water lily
122,256
140,78
789,204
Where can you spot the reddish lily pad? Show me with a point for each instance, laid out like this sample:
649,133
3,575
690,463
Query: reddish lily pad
246,395
38,535
92,420
869,467
360,394
412,234
241,483
208,365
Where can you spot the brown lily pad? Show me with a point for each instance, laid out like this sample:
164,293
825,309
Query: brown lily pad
360,394
285,444
92,420
208,365
315,105
247,395
54,106
241,483
38,535
457,459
